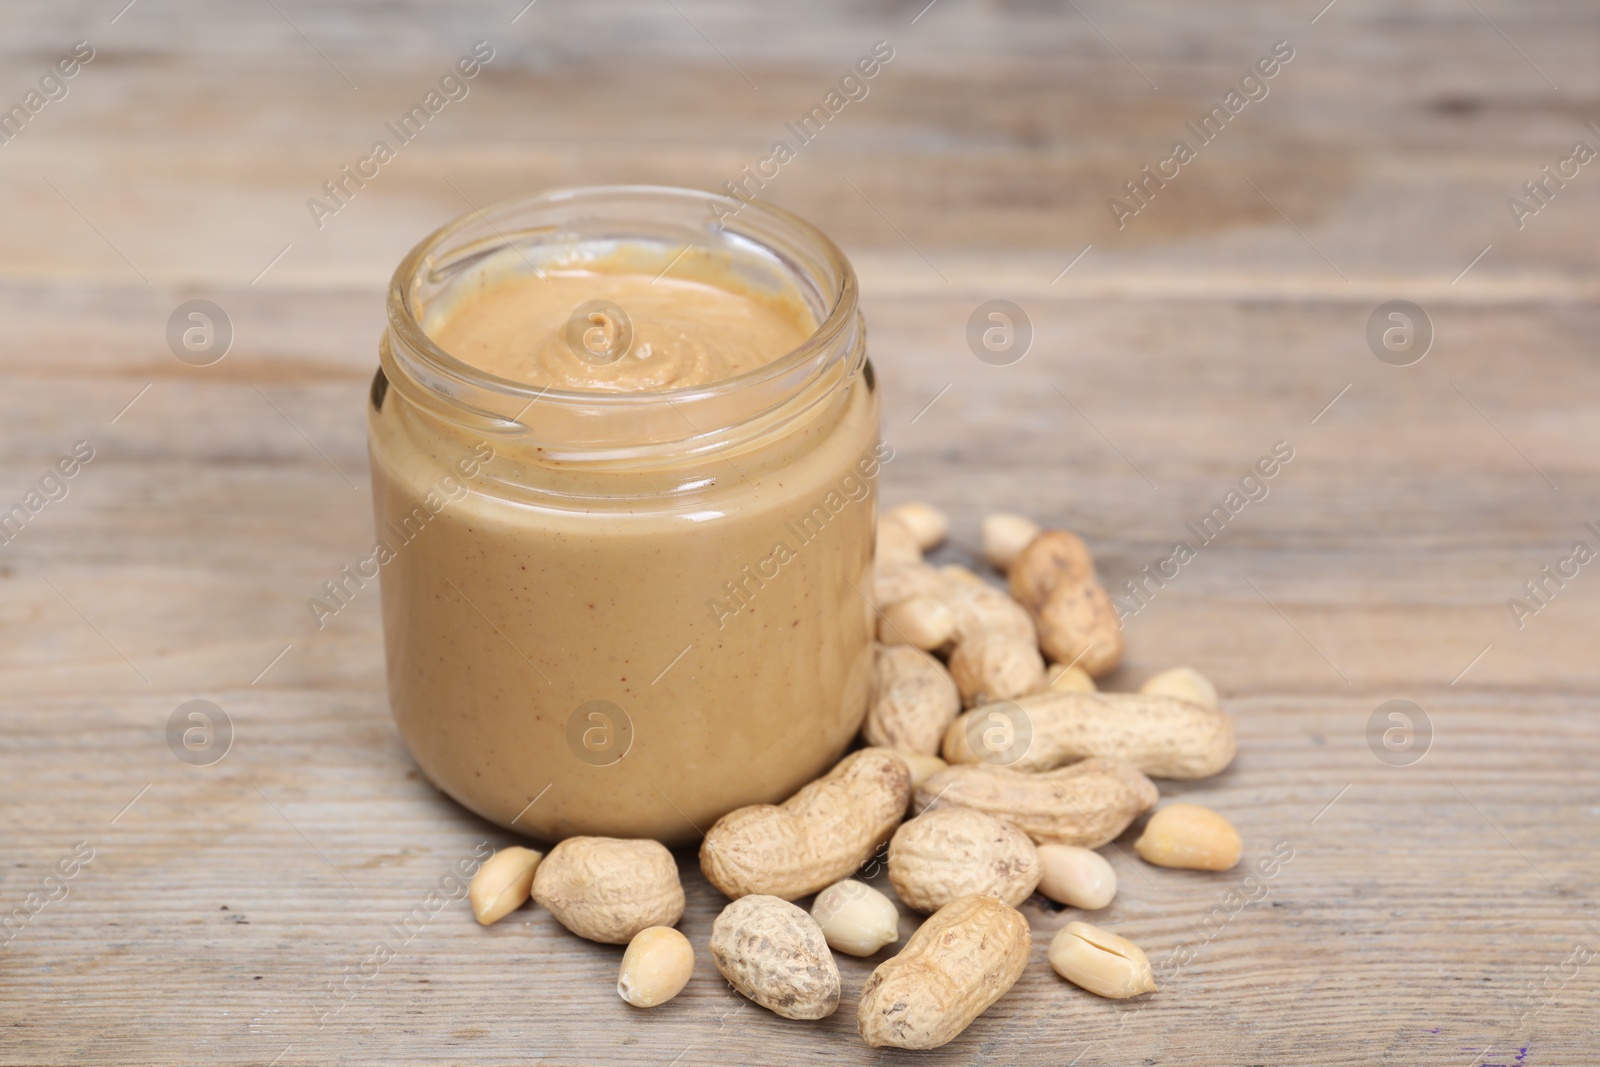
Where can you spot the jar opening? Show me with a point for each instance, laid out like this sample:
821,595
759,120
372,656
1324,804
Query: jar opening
768,246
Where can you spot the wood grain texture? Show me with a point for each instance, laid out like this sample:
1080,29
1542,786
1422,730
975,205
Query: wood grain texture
1429,913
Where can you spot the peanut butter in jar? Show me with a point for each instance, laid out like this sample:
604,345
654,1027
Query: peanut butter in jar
624,447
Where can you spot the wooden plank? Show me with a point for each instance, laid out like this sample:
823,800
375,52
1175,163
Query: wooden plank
222,903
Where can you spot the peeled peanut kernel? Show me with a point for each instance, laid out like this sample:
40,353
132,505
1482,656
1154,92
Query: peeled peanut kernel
1185,683
1101,962
1073,679
1189,836
927,524
922,766
855,918
921,622
502,884
656,967
1076,877
1004,536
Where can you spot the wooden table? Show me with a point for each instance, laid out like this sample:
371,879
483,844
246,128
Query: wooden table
1431,908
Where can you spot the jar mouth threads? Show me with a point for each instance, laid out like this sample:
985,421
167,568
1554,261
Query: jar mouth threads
767,246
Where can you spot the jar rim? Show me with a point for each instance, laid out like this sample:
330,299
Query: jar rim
406,323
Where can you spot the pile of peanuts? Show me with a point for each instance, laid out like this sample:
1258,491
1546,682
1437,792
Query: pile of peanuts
985,724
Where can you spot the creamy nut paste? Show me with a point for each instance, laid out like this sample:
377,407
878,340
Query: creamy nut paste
631,667
684,332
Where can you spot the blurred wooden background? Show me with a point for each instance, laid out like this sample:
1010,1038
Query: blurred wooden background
1431,911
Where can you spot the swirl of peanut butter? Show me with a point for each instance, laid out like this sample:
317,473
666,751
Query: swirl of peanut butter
683,332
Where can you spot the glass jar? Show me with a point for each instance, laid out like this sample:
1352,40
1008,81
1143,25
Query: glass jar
625,614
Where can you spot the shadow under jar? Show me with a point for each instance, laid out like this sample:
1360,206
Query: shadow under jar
627,612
